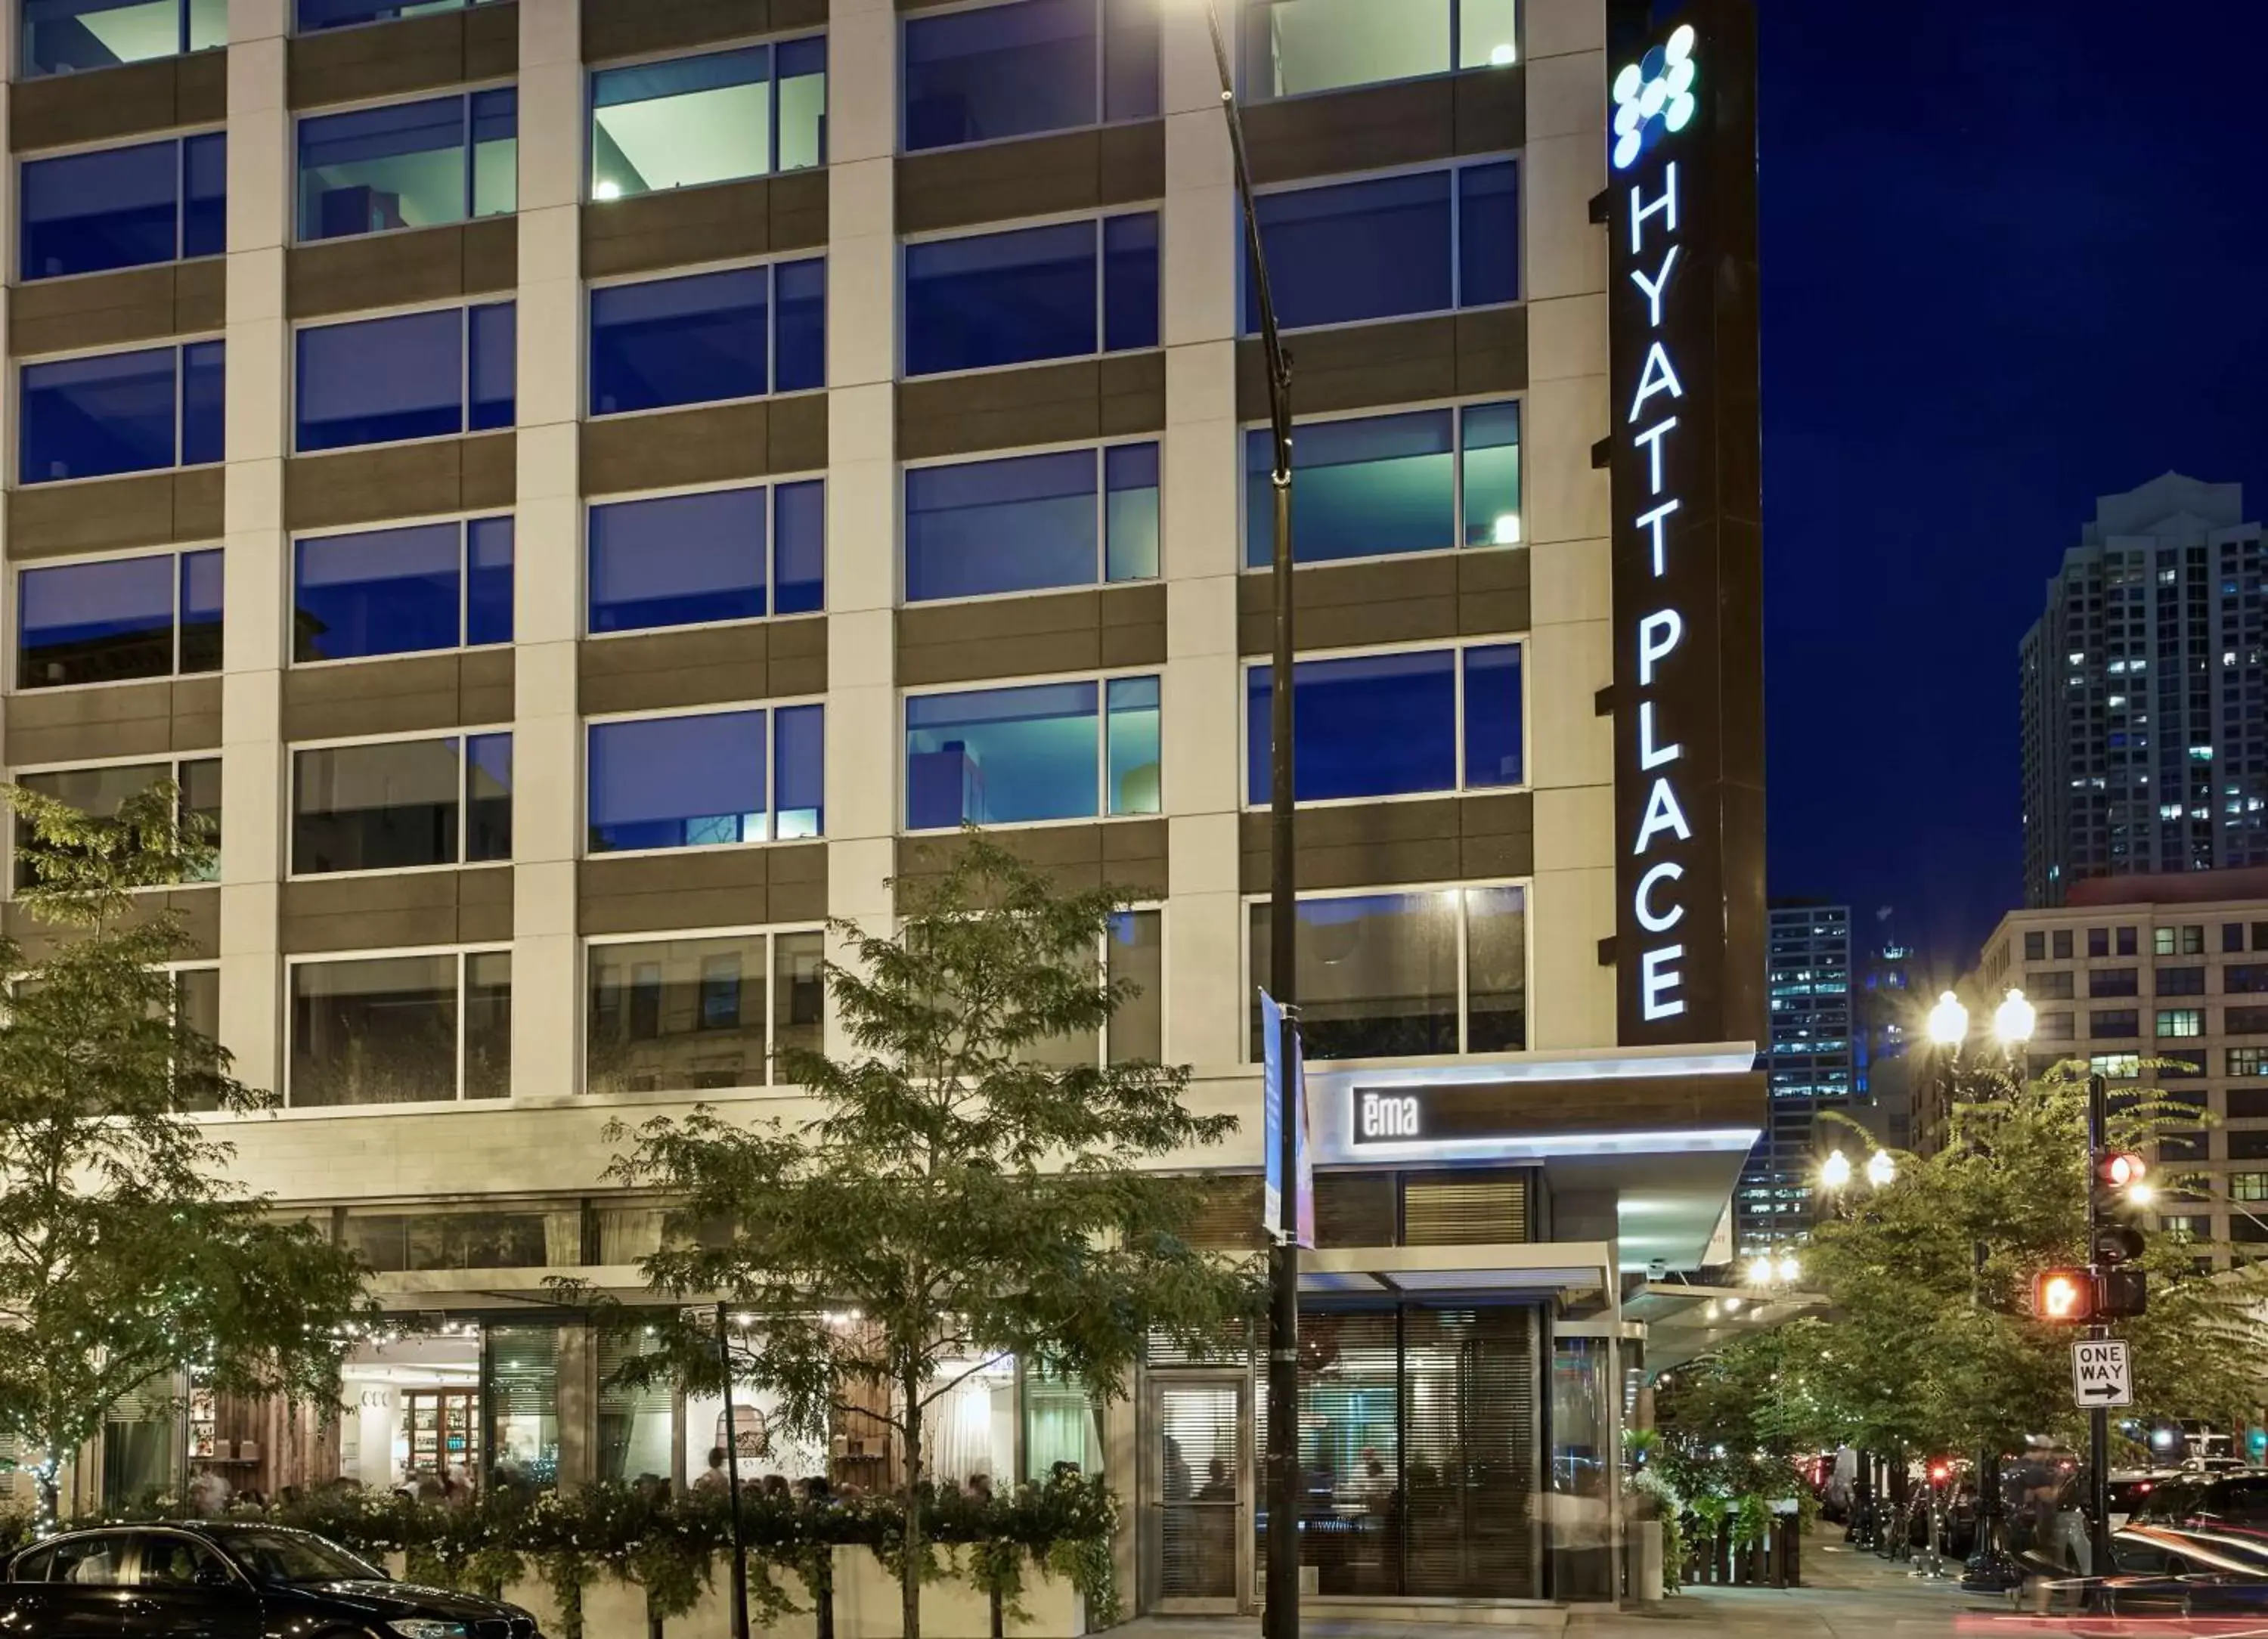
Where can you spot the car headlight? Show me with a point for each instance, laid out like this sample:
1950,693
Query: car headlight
427,1627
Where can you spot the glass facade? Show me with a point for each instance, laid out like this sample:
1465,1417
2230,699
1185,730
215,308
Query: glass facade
389,591
1392,725
1030,523
1061,292
715,118
409,165
424,375
412,1029
74,36
740,334
108,413
1041,751
1390,247
1377,486
703,780
115,619
696,1015
123,206
1297,47
716,555
1381,975
396,804
982,74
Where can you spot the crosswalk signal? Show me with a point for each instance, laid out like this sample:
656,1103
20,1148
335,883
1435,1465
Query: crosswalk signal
2120,1294
2064,1297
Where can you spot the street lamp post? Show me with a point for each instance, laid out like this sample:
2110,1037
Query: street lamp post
1990,1566
1282,1610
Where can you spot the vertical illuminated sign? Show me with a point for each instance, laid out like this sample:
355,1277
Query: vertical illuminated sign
1688,694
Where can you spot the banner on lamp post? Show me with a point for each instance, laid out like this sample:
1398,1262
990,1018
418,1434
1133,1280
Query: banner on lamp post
1272,1035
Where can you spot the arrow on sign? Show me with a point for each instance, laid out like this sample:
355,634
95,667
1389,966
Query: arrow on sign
2105,1391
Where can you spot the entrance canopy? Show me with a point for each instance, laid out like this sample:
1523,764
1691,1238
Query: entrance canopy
1537,1270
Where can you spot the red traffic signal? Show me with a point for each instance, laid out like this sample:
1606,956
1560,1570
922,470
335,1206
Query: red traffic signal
2120,1170
2063,1296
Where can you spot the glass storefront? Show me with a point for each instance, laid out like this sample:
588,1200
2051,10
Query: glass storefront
1418,1446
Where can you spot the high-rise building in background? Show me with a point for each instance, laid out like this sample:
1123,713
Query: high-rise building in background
2144,687
581,492
1809,1066
2159,983
1885,1016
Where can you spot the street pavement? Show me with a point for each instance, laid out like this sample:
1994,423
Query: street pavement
1847,1594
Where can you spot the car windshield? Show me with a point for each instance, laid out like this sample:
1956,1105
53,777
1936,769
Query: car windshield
288,1557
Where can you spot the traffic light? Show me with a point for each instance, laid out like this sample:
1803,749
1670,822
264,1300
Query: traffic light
2120,1293
2064,1296
2119,1171
2115,1244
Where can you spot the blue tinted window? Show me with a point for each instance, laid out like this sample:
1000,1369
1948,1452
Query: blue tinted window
1030,293
696,781
204,401
411,165
488,581
205,194
124,207
95,623
1129,283
493,360
1371,725
1040,65
679,560
1493,716
995,756
1387,726
1377,485
706,337
800,547
202,579
1006,756
1387,246
315,15
1130,511
1029,522
120,413
799,772
72,36
801,296
385,591
1488,234
713,118
682,560
384,380
1017,525
487,797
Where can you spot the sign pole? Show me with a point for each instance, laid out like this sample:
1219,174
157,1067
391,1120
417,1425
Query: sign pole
2098,1417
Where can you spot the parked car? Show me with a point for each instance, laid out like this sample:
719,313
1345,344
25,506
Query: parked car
2132,1487
2207,1499
2164,1571
228,1581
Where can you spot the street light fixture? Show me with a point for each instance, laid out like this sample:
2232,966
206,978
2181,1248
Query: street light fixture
1881,1171
2013,1020
1948,1022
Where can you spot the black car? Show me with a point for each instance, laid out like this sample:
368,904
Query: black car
2212,1500
2194,1569
228,1581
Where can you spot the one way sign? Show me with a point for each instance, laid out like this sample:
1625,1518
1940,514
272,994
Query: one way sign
2101,1374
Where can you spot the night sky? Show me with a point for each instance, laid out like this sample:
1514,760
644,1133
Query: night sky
2015,256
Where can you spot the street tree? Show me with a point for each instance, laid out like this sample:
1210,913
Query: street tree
979,1180
1935,1344
126,1252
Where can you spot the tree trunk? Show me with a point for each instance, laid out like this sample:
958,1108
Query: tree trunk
47,1474
909,1579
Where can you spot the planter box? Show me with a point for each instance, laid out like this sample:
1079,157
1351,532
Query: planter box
866,1605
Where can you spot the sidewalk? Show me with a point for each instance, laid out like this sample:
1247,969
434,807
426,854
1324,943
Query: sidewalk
1847,1594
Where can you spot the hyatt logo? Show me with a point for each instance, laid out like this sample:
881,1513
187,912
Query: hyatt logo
1385,1115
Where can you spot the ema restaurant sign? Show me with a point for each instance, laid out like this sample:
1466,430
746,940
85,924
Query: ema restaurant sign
1688,697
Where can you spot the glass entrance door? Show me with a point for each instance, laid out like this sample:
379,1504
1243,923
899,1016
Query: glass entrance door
1199,1480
